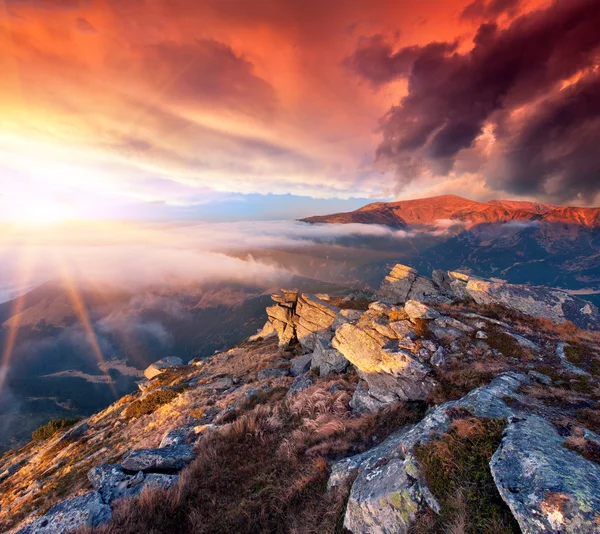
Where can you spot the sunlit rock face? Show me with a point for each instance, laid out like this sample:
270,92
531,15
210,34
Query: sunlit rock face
162,365
546,303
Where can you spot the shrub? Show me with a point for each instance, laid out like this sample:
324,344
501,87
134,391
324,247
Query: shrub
457,470
150,403
52,427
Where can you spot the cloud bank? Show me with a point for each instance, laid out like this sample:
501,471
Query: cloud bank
520,107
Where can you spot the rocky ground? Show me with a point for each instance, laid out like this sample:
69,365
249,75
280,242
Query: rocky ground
451,404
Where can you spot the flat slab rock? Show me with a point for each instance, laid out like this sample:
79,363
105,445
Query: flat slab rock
112,483
548,487
166,460
72,514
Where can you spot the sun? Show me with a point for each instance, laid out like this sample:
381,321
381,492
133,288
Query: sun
42,212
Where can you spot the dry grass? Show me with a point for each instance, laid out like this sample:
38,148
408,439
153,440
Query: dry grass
149,403
266,471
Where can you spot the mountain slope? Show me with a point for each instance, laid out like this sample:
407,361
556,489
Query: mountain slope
429,211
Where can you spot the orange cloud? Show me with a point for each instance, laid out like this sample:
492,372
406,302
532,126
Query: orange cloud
226,95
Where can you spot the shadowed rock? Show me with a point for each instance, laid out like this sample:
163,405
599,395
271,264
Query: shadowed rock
548,487
112,483
167,460
88,510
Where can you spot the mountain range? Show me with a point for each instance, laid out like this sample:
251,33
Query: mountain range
433,210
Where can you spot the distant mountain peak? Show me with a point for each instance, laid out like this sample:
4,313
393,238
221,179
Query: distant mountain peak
429,211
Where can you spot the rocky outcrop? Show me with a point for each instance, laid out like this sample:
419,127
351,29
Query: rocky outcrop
543,302
112,483
326,359
85,511
165,460
389,489
548,487
404,283
162,365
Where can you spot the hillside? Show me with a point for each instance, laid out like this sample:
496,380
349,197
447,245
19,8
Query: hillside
430,211
450,403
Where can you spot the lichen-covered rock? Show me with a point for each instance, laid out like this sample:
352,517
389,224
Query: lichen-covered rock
167,460
112,483
88,510
547,303
391,373
548,487
389,489
162,365
327,360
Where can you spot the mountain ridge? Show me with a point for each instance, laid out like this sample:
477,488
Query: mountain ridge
431,210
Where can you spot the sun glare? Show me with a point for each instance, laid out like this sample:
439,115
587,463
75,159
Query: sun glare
42,212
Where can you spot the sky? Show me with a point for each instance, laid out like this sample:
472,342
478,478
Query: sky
270,109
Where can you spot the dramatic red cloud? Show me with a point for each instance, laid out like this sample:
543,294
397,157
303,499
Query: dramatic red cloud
169,99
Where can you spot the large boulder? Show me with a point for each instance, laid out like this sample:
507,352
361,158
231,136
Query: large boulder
327,360
313,320
165,460
542,302
548,487
87,510
389,489
404,283
391,373
162,365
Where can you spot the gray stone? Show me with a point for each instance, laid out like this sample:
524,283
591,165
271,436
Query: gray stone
524,342
363,402
481,335
438,357
300,384
404,283
548,487
543,302
572,368
445,333
162,365
167,460
390,372
273,372
300,365
112,483
540,377
178,436
418,310
327,359
389,490
87,510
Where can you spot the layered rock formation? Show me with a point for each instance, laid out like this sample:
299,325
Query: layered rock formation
409,348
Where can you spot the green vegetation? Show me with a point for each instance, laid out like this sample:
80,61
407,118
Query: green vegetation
457,470
52,427
150,403
505,343
575,354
